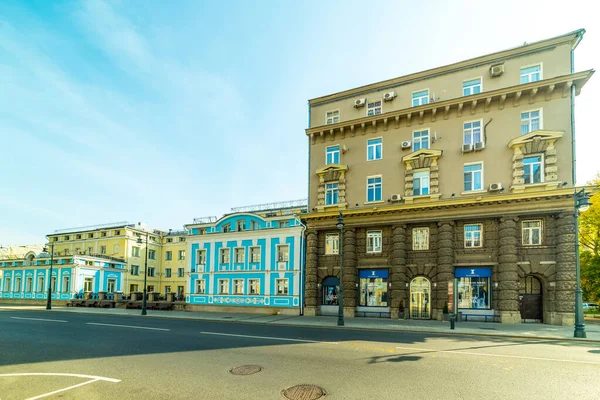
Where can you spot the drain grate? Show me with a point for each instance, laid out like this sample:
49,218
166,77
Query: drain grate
245,370
303,392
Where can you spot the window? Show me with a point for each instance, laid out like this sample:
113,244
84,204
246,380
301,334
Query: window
169,240
181,254
201,257
111,285
226,228
420,238
472,87
330,287
65,284
420,98
103,234
254,225
152,254
88,284
331,193
373,241
151,271
283,252
532,232
241,226
374,149
40,286
66,238
167,272
533,169
332,117
150,288
17,287
282,286
374,189
168,255
180,272
77,236
28,285
53,284
421,140
332,243
7,284
373,286
240,255
182,239
223,286
473,174
224,256
332,155
167,290
135,251
530,121
421,183
116,249
200,286
255,254
133,288
135,270
90,250
472,132
374,108
238,286
90,235
473,235
473,287
531,74
254,285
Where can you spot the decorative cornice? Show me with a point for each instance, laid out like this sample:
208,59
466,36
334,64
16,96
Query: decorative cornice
331,167
423,152
530,137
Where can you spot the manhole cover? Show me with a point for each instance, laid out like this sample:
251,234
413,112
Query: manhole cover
303,392
245,370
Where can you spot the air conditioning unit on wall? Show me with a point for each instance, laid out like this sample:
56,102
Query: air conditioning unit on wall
496,70
389,96
467,148
479,146
396,197
360,103
406,144
495,187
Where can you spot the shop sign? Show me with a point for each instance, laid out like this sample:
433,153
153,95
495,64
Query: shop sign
473,272
373,273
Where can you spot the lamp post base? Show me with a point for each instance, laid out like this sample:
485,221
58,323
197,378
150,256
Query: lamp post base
340,321
580,332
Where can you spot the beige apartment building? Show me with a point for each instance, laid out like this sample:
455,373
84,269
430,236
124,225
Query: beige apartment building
456,189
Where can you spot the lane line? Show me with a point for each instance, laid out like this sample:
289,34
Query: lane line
128,326
266,337
472,353
63,390
98,378
40,319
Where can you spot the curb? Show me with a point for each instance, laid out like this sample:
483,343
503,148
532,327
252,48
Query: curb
399,329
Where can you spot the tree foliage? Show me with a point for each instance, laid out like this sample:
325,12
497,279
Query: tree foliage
589,240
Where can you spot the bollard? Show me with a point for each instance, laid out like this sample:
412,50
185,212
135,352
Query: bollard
452,317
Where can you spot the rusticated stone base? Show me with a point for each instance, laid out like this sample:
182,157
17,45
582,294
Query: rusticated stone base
437,313
560,318
349,312
310,311
510,317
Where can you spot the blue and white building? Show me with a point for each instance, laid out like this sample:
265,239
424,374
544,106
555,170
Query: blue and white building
250,259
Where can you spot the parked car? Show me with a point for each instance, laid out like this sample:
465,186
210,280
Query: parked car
590,307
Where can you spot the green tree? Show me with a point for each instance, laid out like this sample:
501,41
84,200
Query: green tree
589,240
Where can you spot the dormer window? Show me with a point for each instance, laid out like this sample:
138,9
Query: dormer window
226,228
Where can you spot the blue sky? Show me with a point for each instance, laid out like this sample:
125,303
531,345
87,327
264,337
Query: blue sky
162,111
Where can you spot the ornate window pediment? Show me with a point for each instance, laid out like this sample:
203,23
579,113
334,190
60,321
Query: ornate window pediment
332,173
423,159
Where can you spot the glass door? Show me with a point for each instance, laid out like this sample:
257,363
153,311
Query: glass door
420,306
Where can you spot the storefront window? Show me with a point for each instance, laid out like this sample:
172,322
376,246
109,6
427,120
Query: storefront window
473,287
331,285
373,288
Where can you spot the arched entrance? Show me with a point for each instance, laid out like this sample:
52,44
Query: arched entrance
531,298
420,300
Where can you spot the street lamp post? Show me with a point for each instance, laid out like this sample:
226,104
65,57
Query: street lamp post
144,311
340,226
582,203
49,301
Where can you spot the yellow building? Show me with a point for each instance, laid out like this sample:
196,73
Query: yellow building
173,259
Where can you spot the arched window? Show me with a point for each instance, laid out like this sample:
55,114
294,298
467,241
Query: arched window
420,298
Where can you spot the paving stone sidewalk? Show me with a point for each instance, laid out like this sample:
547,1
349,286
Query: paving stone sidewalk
524,330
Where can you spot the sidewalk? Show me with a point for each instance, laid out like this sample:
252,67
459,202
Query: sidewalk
528,330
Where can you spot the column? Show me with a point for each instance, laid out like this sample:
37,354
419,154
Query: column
566,281
349,279
445,267
508,277
312,261
398,278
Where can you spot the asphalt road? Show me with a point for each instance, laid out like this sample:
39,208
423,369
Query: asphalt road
82,356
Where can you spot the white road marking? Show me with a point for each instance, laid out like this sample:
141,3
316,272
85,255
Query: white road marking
128,326
471,353
98,378
63,390
39,319
266,337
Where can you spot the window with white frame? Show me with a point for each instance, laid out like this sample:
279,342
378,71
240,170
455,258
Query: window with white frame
226,228
421,140
152,254
168,255
282,286
135,270
283,252
151,271
472,86
200,286
102,249
88,284
374,108
331,193
255,254
420,98
53,283
28,285
17,287
223,286
200,257
7,284
181,254
332,155
135,251
531,121
332,117
533,169
374,188
420,238
238,286
473,235
531,74
65,288
472,132
420,183
180,272
241,225
224,256
240,255
167,272
40,286
332,243
374,149
532,232
374,241
473,177
111,285
254,286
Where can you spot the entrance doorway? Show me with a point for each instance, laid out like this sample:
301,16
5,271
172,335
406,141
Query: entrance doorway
531,302
420,301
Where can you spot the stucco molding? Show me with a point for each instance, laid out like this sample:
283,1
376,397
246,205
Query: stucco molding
332,173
